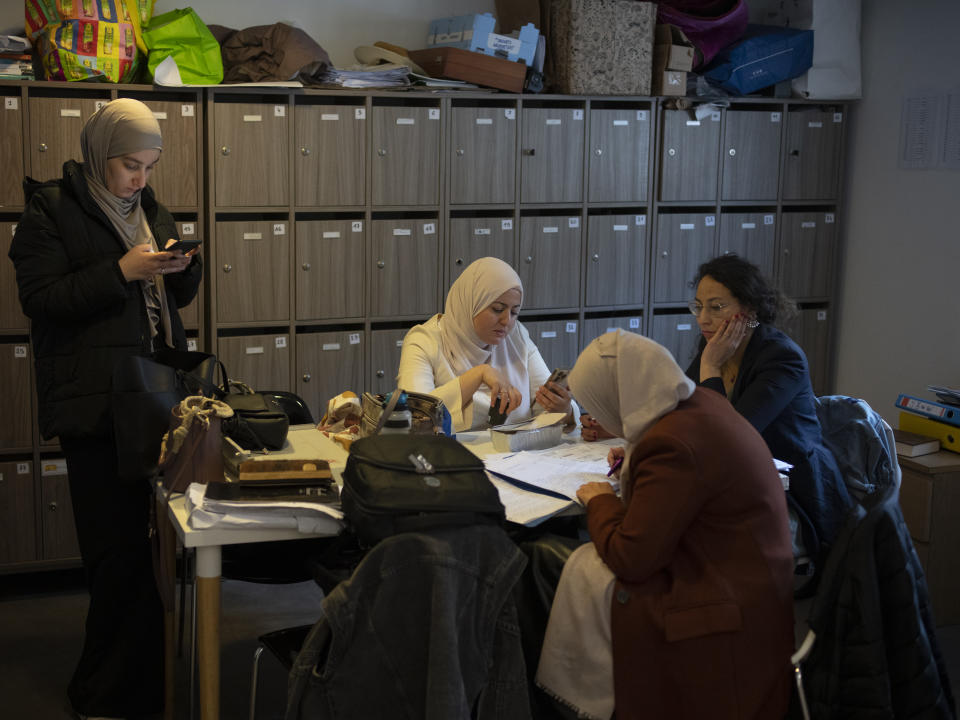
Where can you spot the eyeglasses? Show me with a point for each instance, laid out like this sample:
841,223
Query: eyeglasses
713,309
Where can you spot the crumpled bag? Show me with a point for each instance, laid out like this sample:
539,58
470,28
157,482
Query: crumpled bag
182,35
267,53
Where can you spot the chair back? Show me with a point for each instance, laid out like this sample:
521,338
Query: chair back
293,405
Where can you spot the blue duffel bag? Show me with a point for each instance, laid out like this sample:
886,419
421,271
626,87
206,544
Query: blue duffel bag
764,56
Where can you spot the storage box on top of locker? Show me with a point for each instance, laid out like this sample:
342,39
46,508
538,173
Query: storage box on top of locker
600,47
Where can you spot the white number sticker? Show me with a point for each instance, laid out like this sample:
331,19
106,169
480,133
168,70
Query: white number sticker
279,228
192,344
774,117
642,115
710,220
429,228
578,114
434,113
280,341
279,110
360,114
821,314
573,222
510,113
506,224
23,468
634,323
187,229
571,327
353,338
11,103
356,226
186,110
768,219
828,218
641,220
20,351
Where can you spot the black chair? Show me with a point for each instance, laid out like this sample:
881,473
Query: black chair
285,646
293,405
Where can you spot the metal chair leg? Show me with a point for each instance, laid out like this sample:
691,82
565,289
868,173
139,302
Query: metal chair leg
183,600
253,681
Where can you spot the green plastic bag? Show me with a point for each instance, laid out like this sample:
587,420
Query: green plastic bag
182,34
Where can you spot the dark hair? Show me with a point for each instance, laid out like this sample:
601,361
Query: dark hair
748,285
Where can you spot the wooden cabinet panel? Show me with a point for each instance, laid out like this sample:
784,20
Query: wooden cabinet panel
750,235
751,155
11,151
548,269
689,156
330,157
11,313
405,269
810,329
55,125
551,155
329,258
483,151
190,315
385,348
684,242
806,254
595,327
328,363
16,389
811,165
253,271
678,333
18,529
260,361
474,238
59,529
174,179
616,259
557,341
251,154
619,153
406,163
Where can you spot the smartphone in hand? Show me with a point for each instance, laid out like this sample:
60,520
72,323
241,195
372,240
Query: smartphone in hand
496,416
183,245
558,376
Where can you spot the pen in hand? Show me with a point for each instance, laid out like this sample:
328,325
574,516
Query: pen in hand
616,465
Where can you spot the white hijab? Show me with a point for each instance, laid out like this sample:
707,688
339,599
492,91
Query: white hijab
478,286
628,382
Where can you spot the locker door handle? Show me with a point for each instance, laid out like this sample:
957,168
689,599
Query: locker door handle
458,261
306,266
596,257
529,151
528,259
381,264
381,152
671,152
380,373
227,268
786,251
665,253
460,152
307,377
794,153
52,507
224,150
598,152
731,152
304,151
43,147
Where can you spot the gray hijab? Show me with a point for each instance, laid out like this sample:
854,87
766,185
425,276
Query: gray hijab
118,128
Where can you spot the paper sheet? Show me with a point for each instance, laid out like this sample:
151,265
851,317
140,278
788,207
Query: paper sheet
561,469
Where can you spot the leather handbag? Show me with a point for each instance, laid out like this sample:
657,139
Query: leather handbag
145,390
258,422
429,415
192,449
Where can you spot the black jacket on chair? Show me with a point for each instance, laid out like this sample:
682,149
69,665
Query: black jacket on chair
876,653
85,315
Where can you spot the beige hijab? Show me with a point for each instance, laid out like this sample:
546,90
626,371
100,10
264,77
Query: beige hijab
628,382
118,128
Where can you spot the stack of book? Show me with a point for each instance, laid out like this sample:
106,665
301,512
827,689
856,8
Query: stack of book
15,66
936,419
257,478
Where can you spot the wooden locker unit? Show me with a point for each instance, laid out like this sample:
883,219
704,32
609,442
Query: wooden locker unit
385,347
11,148
551,153
618,153
471,238
483,152
11,312
406,153
616,260
684,242
594,327
811,161
557,341
55,125
810,329
329,262
253,265
260,361
330,152
751,153
59,532
18,527
547,267
173,180
679,333
16,389
404,267
751,235
689,157
805,266
250,152
328,363
191,314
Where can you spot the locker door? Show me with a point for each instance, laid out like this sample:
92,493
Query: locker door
329,258
595,327
551,155
11,150
689,156
812,162
18,528
751,155
174,179
11,314
548,267
678,333
406,164
474,238
330,157
260,361
684,242
810,329
385,348
483,153
59,530
328,363
251,155
616,257
16,389
752,236
619,151
557,341
55,125
190,315
806,254
253,273
405,268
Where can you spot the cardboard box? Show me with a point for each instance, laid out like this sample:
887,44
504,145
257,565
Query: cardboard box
672,49
670,83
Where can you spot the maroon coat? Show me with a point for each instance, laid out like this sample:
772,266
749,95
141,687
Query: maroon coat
702,616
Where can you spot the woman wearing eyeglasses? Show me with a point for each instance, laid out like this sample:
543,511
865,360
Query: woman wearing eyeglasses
764,374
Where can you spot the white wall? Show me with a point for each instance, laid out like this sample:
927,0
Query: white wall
899,310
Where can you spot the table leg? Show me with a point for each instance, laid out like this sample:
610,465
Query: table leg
166,575
208,630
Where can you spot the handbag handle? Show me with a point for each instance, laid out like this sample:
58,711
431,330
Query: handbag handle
394,397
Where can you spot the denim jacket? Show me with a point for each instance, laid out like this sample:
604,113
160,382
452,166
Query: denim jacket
425,629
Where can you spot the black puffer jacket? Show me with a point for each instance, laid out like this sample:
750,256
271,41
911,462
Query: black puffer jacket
85,316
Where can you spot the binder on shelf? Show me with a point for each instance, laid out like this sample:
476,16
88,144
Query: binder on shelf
949,414
948,435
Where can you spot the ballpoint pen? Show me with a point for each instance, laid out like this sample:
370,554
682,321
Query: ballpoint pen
613,468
